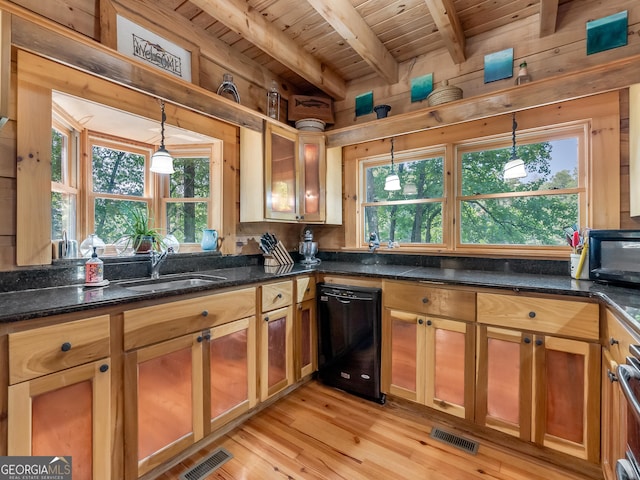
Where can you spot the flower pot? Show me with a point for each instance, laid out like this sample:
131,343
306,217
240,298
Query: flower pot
381,110
143,244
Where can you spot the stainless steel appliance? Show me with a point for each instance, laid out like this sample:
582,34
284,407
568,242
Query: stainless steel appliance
614,256
349,333
308,248
629,378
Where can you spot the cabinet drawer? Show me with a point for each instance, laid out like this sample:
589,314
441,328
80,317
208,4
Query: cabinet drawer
545,315
305,289
276,295
147,325
44,350
441,302
617,338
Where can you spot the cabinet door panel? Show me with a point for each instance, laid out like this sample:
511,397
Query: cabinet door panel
229,368
565,373
276,346
306,338
67,413
277,339
164,400
449,363
503,394
62,425
404,350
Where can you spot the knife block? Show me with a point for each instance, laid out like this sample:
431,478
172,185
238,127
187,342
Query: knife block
278,256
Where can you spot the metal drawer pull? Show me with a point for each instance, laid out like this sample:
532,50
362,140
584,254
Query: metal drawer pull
205,313
532,314
279,295
66,346
104,367
613,341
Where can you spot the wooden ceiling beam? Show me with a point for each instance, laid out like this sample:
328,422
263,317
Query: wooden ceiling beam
446,19
345,20
548,17
249,23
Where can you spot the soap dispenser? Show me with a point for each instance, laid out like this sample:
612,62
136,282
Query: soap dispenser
94,269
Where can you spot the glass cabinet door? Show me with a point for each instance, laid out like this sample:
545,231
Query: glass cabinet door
312,167
281,175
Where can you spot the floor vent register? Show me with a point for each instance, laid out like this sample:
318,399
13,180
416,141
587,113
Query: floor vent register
464,444
214,461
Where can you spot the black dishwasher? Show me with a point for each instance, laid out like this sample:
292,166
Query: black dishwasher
349,333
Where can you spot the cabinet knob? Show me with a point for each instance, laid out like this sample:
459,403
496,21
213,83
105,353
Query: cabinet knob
539,342
613,341
308,290
527,340
425,300
104,367
420,321
532,314
612,376
200,338
266,319
205,313
207,336
429,323
279,295
66,346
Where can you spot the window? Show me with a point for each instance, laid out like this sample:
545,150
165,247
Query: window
188,203
117,184
63,181
487,213
529,211
412,215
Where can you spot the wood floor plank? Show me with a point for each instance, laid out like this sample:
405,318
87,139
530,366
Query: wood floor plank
320,433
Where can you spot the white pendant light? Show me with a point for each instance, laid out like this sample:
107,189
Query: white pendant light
392,182
514,168
161,160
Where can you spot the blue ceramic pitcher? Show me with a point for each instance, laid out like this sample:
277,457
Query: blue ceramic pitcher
209,239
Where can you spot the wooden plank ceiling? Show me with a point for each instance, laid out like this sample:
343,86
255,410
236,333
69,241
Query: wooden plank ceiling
321,45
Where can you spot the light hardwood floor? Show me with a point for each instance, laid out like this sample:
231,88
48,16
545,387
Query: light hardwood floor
317,432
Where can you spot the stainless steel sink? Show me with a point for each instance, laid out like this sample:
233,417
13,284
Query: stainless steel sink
170,282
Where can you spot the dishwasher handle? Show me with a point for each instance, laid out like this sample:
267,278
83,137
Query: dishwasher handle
343,298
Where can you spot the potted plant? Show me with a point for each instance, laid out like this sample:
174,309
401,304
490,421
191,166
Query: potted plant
141,235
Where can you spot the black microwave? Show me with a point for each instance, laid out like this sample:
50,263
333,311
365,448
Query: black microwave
614,256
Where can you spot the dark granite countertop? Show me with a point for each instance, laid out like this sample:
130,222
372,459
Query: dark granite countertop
32,303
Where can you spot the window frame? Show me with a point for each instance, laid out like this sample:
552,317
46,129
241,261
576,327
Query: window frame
453,186
69,182
214,215
426,153
578,129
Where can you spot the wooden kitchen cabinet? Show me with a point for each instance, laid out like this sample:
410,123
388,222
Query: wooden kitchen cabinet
276,339
427,358
59,398
190,367
538,385
305,328
300,180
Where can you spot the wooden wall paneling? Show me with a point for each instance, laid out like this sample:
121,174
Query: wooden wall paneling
227,198
33,197
107,18
104,63
77,15
634,150
554,55
8,202
8,149
333,191
5,65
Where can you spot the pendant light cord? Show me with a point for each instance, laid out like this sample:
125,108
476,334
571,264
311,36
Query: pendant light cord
513,136
163,119
392,138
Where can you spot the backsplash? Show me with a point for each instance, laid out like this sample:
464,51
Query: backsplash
70,272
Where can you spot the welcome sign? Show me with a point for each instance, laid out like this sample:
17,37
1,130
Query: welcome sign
142,44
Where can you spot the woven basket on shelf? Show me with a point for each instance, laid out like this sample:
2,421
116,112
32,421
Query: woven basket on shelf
443,94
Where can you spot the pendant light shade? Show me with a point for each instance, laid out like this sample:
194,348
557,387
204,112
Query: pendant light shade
514,168
392,182
161,160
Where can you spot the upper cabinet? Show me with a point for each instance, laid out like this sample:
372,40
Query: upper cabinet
298,180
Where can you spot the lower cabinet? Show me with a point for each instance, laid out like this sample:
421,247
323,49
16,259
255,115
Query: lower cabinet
613,418
67,413
429,360
59,395
180,388
540,387
276,351
305,328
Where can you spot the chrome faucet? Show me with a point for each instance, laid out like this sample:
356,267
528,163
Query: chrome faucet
156,260
374,242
